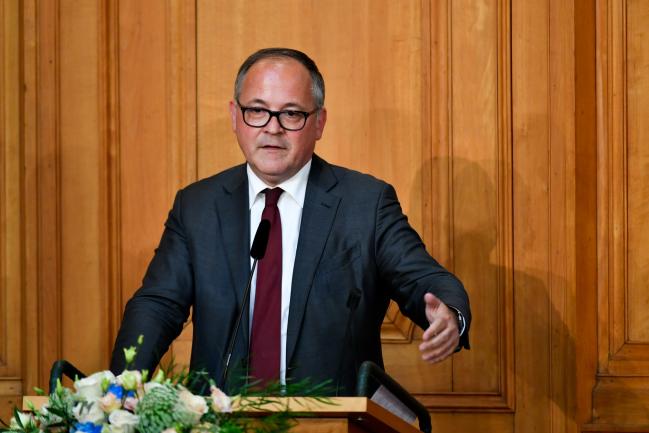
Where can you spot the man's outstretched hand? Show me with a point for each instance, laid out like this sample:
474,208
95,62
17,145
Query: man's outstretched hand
442,336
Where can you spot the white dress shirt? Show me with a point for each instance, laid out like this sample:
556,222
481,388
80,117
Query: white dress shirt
290,205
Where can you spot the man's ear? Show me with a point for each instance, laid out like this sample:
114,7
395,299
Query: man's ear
233,115
321,120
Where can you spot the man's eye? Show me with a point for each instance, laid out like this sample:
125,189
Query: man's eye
256,110
292,114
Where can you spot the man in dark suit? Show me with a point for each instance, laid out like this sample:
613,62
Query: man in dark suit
338,235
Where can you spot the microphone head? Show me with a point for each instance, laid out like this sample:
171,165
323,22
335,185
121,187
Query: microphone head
260,242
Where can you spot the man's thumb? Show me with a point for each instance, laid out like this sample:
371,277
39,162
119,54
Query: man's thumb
431,301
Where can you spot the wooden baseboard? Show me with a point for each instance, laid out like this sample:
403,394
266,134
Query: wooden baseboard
613,428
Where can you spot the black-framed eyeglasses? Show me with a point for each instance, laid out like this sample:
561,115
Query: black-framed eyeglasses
291,120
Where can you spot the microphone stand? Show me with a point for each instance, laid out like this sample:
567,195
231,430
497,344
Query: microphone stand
352,303
257,252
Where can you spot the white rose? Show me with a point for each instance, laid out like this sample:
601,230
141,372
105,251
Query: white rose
130,379
90,387
122,421
220,401
194,404
85,412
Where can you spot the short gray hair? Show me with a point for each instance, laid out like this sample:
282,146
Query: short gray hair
317,82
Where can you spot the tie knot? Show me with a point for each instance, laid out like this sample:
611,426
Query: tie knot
272,196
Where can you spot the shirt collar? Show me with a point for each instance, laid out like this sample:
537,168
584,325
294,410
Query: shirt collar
295,186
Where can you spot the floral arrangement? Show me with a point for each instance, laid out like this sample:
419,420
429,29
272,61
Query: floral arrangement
129,403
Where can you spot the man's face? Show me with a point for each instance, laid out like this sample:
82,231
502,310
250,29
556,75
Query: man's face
275,154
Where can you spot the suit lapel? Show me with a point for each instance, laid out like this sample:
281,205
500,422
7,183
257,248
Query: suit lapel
318,215
232,208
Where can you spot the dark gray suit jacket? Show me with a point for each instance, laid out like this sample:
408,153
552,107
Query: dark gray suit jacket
353,234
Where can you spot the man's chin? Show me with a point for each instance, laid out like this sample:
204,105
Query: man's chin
273,175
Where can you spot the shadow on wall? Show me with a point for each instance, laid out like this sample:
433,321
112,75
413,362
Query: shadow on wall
542,365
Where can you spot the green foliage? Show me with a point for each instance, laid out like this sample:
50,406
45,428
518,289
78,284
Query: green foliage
58,413
156,409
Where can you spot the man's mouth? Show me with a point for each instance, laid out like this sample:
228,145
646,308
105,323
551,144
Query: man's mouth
272,146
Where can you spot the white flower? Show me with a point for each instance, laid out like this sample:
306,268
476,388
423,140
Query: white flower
169,430
130,379
195,405
85,412
130,403
109,403
90,387
26,419
122,421
220,401
46,417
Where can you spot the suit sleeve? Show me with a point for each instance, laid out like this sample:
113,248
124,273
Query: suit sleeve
161,306
408,270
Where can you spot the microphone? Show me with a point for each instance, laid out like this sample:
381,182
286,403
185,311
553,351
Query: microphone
260,242
257,252
352,303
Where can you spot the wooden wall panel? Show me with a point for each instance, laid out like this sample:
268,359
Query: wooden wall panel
473,155
543,160
81,250
621,202
637,155
586,271
157,156
11,385
470,206
61,188
29,194
561,216
144,193
480,188
623,104
530,46
47,230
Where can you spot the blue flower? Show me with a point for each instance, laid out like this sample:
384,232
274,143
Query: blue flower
116,390
86,427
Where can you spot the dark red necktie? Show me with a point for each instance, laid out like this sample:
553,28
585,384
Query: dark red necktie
265,336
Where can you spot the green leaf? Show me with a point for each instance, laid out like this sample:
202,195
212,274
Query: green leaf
17,418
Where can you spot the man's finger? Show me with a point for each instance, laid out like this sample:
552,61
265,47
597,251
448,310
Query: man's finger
435,353
436,327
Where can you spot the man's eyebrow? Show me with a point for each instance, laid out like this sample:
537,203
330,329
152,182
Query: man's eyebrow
256,101
287,106
293,106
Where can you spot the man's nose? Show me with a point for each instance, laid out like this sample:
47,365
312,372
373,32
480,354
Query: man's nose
273,126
